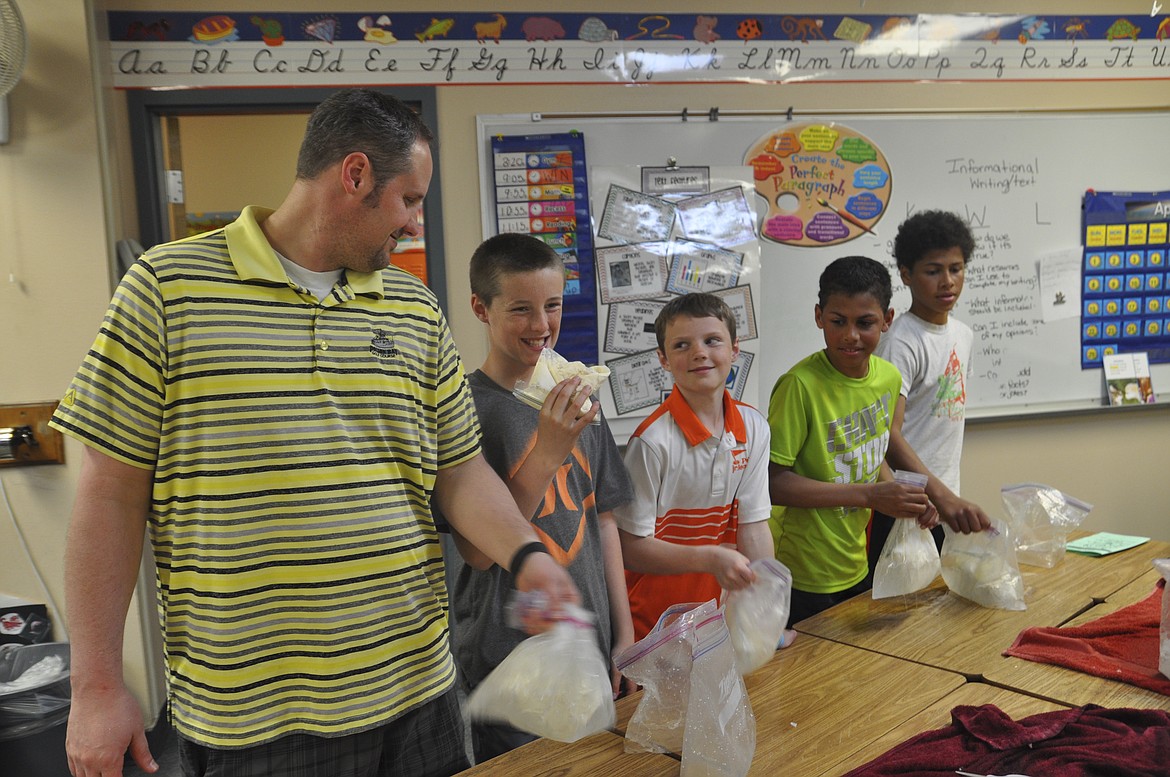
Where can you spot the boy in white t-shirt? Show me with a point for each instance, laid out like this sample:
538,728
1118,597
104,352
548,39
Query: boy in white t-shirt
932,350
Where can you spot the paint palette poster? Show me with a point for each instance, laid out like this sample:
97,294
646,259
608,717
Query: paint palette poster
823,184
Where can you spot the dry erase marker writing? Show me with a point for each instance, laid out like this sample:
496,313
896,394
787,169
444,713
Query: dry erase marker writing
824,204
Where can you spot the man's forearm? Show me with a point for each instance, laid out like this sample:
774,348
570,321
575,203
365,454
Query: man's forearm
478,506
102,555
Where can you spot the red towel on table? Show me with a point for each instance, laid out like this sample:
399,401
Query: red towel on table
1087,741
1121,646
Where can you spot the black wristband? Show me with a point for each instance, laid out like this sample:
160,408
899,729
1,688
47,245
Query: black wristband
522,553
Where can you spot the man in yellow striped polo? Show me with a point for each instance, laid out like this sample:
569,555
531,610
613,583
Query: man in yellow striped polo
277,405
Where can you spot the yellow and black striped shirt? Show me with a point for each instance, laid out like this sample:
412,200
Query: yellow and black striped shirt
294,445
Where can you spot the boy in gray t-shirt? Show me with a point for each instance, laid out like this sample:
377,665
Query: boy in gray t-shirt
563,470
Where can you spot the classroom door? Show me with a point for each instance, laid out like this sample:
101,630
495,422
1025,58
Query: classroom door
201,155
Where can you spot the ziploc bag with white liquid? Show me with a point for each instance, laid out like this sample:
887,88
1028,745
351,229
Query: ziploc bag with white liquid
694,702
909,560
555,685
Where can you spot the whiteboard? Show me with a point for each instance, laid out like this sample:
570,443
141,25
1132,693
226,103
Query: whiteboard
1016,178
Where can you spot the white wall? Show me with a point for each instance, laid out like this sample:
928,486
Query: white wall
54,284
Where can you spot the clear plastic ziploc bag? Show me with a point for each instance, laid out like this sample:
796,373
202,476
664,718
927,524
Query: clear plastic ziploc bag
982,567
756,615
1042,518
661,662
720,738
34,689
551,369
1163,567
694,702
909,560
555,685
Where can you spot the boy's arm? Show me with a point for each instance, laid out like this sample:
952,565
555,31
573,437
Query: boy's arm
898,500
754,540
653,556
557,433
621,622
929,517
561,423
753,537
958,513
471,555
789,420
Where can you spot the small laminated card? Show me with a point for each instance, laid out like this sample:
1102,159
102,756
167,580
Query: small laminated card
1104,543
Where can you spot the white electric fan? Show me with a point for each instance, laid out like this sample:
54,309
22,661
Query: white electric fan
13,49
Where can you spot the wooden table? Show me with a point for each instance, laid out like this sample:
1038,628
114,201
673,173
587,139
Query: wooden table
818,700
602,753
938,715
866,676
1076,688
940,629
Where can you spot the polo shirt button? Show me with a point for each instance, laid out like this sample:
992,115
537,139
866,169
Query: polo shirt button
324,346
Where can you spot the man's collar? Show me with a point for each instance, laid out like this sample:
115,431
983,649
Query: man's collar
255,259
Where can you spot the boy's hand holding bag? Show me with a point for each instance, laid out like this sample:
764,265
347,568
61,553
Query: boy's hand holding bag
982,567
909,560
756,615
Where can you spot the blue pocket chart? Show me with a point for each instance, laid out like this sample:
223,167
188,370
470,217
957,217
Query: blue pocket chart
1124,278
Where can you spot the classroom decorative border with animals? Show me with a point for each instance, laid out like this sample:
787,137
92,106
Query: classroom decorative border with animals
150,49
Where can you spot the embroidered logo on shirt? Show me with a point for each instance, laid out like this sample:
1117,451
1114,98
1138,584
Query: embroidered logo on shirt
382,345
739,460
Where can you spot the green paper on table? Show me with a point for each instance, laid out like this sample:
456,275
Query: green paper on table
1103,543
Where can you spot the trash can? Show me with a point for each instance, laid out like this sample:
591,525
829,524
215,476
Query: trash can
34,709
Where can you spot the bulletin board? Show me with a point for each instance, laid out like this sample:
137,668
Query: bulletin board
1018,179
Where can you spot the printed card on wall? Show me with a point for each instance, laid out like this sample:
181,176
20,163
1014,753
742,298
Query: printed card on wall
541,189
739,299
701,267
638,381
633,271
740,369
629,327
721,217
634,217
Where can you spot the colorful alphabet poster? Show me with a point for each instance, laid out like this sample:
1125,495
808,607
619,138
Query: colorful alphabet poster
154,49
824,184
541,189
1125,301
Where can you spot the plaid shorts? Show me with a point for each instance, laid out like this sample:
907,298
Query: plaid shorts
425,742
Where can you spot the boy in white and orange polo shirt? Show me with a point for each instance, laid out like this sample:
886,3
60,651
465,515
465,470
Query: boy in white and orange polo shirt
699,465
